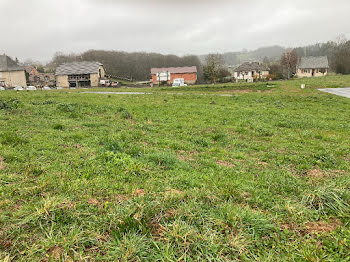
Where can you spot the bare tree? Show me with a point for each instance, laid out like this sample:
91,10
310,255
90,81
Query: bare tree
341,58
289,61
213,67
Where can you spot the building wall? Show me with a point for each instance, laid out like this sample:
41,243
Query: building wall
41,78
190,78
308,73
14,78
95,80
103,72
250,75
62,81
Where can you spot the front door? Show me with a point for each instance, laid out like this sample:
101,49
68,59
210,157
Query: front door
313,72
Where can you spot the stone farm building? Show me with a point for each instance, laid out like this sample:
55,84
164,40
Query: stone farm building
79,74
251,71
11,74
313,66
167,75
37,78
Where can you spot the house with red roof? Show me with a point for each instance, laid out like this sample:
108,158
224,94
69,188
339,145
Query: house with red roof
167,75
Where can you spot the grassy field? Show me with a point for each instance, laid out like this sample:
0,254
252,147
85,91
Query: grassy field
262,175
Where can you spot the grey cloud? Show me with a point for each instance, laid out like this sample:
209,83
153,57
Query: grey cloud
38,28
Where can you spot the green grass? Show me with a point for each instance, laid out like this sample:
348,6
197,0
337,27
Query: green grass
262,175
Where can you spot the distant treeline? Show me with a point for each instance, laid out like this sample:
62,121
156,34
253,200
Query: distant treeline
138,65
132,65
338,53
271,53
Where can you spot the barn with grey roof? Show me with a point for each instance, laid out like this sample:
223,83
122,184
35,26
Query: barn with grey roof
11,73
313,66
79,74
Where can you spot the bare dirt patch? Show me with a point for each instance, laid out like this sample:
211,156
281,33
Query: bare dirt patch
121,198
174,192
241,91
187,155
319,174
312,228
244,91
291,227
55,252
139,192
322,226
104,238
3,165
316,173
5,244
67,205
170,213
78,146
93,202
225,163
158,232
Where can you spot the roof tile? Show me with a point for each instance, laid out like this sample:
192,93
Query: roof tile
78,68
175,70
313,62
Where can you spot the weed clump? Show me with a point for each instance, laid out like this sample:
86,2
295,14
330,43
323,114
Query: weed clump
165,159
58,127
124,113
12,139
9,105
67,108
46,102
73,109
200,141
112,146
122,162
326,201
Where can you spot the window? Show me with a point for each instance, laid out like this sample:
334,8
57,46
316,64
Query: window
306,71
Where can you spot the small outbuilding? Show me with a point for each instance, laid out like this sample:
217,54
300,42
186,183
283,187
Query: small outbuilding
167,75
11,73
80,74
251,71
313,66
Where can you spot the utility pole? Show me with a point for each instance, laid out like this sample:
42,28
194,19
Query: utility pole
159,79
167,74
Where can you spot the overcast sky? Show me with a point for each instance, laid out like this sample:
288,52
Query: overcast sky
38,28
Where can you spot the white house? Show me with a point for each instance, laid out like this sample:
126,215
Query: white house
251,71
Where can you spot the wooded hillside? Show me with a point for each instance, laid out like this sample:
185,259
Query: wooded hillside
135,65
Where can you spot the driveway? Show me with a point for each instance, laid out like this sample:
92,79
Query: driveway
345,92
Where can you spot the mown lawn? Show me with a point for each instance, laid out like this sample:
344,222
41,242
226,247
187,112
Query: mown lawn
262,175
